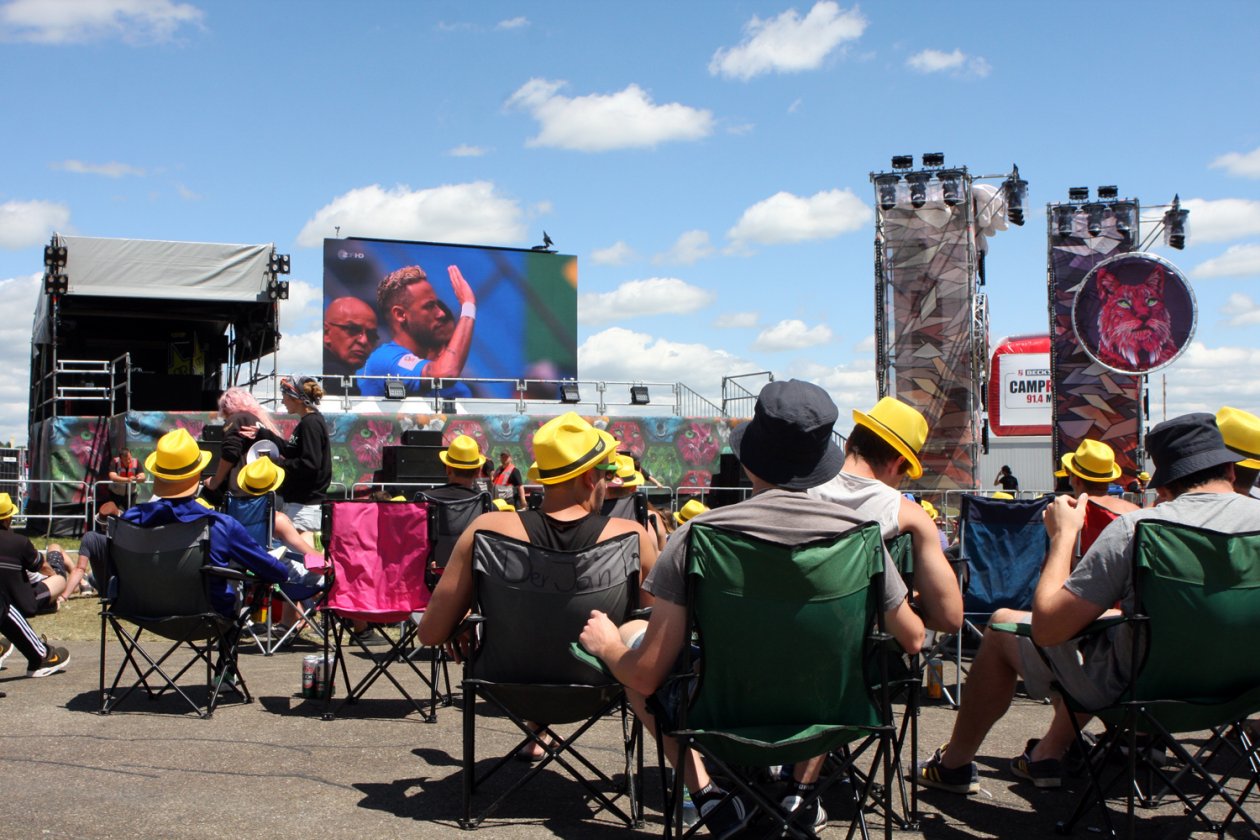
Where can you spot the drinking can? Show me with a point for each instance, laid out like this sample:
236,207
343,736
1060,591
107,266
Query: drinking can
935,678
310,667
323,678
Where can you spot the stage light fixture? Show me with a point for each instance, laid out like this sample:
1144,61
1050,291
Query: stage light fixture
56,284
279,263
933,159
277,289
918,188
639,395
569,392
1078,193
902,161
1125,211
951,186
395,390
54,255
1175,225
1063,219
886,187
1015,190
1094,218
1110,191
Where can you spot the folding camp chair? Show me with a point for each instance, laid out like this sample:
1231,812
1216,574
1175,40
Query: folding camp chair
1003,544
257,514
1197,597
159,580
789,636
376,555
530,605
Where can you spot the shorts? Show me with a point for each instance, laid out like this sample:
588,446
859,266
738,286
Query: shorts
42,596
58,562
667,700
305,517
1066,667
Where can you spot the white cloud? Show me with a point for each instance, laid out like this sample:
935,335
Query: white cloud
1222,219
306,300
736,320
1240,164
628,119
19,295
301,352
654,296
788,43
472,212
956,62
113,169
784,217
1206,378
1237,261
513,23
77,21
25,224
866,345
851,386
1241,311
692,246
465,150
792,334
621,355
618,253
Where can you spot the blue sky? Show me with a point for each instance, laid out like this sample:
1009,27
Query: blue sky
706,161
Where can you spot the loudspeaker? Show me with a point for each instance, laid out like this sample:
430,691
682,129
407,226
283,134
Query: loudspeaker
215,448
421,437
211,433
413,463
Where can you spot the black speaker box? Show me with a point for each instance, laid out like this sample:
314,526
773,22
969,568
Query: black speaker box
215,448
211,433
422,437
413,463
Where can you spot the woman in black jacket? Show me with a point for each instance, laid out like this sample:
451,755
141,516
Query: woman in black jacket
306,456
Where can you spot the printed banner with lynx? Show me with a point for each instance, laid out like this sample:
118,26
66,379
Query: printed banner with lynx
420,311
1090,400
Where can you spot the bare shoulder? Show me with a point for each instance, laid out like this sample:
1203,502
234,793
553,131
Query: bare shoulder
615,527
504,522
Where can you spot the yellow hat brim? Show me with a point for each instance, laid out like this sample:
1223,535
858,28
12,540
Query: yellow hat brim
892,439
151,467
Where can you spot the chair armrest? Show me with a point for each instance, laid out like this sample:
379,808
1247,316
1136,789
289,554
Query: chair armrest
226,573
1024,628
582,655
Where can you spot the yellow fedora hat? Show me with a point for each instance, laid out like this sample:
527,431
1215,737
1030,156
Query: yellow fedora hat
503,504
177,457
929,508
462,454
627,475
7,508
1003,495
1093,460
901,426
1144,476
567,446
690,511
262,476
1060,473
1241,431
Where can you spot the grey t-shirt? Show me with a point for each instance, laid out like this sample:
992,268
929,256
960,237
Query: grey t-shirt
781,516
869,498
1105,576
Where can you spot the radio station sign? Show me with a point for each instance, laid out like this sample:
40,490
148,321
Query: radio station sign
1020,392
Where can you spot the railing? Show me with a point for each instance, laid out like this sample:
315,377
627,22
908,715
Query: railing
21,518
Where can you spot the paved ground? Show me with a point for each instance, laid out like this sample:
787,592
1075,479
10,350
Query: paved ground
274,769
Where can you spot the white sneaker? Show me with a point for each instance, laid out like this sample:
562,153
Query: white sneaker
6,650
792,802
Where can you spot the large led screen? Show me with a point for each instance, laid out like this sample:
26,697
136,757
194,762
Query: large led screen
424,313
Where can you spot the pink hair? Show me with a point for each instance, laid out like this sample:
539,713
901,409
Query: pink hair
236,399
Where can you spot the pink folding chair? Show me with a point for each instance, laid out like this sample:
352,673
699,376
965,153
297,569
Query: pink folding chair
377,553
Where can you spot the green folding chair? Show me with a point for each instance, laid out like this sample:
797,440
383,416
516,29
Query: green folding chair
789,636
1197,602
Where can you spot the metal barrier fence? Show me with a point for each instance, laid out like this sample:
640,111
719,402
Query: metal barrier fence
82,511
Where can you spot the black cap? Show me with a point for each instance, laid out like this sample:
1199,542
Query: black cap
789,442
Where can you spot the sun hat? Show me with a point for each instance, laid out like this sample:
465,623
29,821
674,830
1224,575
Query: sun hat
177,457
788,442
929,508
690,511
1060,473
627,475
261,476
1184,445
567,446
462,454
1144,476
1003,495
1241,432
503,504
7,508
901,426
1093,460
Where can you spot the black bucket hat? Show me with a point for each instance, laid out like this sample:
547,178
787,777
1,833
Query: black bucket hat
1184,445
788,442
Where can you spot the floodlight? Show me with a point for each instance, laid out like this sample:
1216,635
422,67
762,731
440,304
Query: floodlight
1078,193
1109,191
54,255
56,284
1125,212
951,186
279,263
1175,225
886,187
1015,190
1094,215
1064,215
569,392
902,161
918,188
933,159
395,390
639,395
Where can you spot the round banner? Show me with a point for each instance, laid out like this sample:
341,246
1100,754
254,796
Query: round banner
1134,313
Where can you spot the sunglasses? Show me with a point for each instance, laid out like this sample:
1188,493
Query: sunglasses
357,330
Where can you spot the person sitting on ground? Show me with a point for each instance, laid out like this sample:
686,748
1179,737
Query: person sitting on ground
573,462
880,452
176,466
785,450
19,600
1195,470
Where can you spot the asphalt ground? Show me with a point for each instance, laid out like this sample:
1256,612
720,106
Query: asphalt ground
274,769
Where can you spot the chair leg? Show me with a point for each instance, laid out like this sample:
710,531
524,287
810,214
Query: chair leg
470,753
